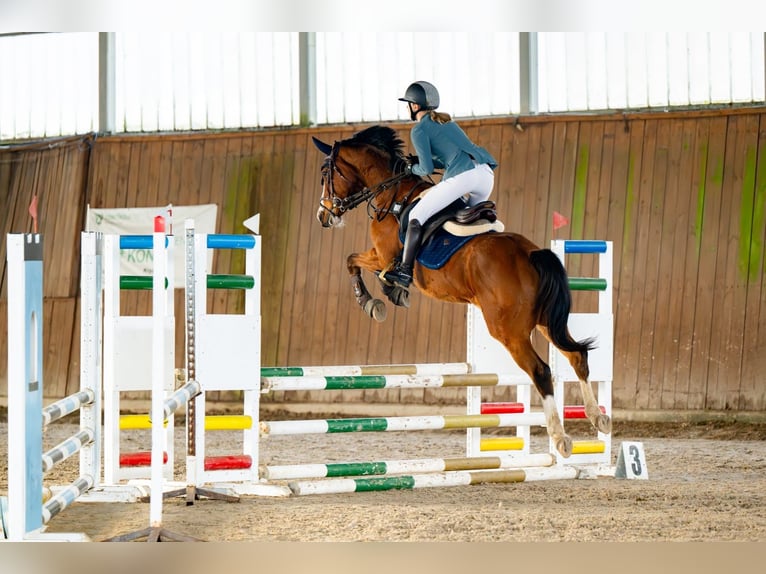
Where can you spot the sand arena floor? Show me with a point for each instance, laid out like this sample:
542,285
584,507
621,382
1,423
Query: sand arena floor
706,482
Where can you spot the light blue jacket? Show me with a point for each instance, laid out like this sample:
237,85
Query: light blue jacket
447,147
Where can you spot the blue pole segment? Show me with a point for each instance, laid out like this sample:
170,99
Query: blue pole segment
223,241
584,246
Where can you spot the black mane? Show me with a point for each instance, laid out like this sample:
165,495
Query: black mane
381,137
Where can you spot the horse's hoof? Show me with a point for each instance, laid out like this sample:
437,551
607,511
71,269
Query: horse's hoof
604,424
376,309
564,446
402,297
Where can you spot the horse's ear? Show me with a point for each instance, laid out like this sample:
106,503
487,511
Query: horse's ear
321,146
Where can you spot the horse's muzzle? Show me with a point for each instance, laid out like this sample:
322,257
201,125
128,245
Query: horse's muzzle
326,217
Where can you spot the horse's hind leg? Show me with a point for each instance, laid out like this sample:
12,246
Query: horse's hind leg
579,362
526,357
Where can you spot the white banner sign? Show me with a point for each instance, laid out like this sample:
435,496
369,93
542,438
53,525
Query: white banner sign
140,221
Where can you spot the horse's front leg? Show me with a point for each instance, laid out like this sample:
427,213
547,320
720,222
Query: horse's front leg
368,260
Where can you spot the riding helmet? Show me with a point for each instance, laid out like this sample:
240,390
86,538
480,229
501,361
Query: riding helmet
422,93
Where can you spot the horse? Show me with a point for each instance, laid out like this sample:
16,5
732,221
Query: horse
517,285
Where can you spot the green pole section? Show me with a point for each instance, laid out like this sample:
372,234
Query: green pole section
336,470
137,282
587,284
355,382
281,372
230,281
357,425
388,483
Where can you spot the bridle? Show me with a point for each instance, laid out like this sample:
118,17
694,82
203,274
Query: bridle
359,196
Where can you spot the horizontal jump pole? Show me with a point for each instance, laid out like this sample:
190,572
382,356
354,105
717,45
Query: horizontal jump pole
501,408
140,458
588,446
445,479
501,443
138,282
316,383
230,281
66,497
578,412
393,424
138,241
587,284
228,462
212,422
136,422
67,448
67,405
584,246
570,411
356,370
229,241
335,470
228,422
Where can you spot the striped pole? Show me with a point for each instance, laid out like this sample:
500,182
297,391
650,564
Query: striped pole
180,397
317,383
457,478
67,405
355,370
388,424
70,446
66,497
334,470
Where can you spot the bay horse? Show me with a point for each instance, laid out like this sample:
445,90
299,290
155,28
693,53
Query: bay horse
517,285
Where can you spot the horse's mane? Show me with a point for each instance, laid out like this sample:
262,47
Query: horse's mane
381,137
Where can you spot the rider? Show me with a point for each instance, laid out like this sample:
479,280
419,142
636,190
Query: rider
440,144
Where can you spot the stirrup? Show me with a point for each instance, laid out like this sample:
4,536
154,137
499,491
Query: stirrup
396,276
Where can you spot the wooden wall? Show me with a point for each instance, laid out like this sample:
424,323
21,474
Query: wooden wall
682,195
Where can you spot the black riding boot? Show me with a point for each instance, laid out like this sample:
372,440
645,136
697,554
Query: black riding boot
402,274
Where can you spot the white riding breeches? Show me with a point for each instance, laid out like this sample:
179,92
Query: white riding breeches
476,183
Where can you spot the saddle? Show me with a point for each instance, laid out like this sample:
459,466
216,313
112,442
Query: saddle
458,219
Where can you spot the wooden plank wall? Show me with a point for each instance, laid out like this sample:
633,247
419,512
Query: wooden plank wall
682,195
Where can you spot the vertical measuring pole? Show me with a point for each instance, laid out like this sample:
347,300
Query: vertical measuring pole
159,437
191,370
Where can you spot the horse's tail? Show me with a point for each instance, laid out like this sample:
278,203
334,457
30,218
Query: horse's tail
554,301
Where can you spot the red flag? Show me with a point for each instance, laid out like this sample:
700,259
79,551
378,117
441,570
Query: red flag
559,220
33,212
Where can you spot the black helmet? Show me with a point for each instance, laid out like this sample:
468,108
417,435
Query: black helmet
422,93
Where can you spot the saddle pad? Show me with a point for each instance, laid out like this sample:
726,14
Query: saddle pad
440,247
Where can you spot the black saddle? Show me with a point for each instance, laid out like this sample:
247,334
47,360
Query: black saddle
456,211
